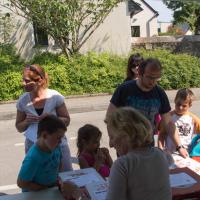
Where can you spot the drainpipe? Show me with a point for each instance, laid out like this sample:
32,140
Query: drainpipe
148,24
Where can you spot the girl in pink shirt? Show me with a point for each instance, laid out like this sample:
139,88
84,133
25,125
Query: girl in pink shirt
89,152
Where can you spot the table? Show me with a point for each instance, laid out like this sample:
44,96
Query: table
180,162
49,194
192,191
191,167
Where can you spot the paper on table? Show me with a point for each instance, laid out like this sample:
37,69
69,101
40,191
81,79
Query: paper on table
81,177
186,162
98,190
181,180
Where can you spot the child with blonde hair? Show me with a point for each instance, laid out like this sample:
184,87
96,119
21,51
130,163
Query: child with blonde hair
187,123
89,152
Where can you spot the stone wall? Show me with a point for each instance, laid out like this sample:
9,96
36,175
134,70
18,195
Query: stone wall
178,44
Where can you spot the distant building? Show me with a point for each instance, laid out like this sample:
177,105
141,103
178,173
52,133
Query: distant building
144,20
130,20
184,29
163,26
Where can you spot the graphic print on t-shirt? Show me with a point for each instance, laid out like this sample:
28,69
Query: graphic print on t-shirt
184,129
148,107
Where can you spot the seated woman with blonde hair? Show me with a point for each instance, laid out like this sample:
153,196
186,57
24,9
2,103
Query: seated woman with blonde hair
141,172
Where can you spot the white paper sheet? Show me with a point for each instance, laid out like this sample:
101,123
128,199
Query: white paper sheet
186,162
98,190
181,180
81,177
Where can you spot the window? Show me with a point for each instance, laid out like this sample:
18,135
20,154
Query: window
40,35
135,31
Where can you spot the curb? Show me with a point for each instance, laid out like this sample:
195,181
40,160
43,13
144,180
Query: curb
12,115
75,104
67,97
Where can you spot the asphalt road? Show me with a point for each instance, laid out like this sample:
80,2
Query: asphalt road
12,144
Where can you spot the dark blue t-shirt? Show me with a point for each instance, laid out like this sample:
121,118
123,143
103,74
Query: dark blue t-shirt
148,103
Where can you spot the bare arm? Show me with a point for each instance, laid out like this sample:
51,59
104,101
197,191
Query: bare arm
83,163
110,109
167,127
31,186
63,114
21,123
109,160
163,132
23,120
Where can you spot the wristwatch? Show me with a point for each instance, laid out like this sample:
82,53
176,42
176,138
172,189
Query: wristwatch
179,147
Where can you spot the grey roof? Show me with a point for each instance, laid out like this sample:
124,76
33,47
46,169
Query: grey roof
135,7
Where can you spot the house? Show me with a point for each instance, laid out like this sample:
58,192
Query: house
127,22
131,19
183,28
144,22
163,26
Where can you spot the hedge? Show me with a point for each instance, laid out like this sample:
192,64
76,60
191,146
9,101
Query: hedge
179,70
93,73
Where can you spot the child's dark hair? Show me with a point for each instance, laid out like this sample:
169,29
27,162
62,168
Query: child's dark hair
86,133
184,94
149,61
133,61
50,124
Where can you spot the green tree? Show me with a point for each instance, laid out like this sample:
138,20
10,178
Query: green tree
186,12
69,22
6,27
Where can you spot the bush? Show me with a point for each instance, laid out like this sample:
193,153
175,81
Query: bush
10,73
81,74
10,85
9,59
179,70
94,73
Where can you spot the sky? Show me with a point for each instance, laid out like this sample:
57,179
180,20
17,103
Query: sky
165,14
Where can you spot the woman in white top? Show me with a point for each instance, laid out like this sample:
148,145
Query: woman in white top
37,102
141,172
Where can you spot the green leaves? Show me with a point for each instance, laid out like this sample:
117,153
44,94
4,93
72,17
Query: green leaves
186,12
74,20
94,73
6,26
179,70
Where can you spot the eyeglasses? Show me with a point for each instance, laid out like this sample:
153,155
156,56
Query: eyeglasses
27,81
34,69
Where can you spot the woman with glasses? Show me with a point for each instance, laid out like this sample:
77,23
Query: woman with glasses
37,102
132,67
